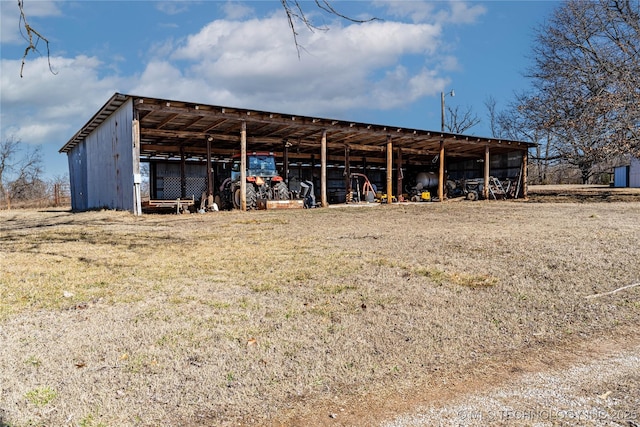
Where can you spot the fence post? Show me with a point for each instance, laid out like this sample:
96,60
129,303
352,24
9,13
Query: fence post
56,194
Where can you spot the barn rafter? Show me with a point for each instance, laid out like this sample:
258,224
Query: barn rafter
167,124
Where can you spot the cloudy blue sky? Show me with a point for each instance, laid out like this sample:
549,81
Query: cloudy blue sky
242,54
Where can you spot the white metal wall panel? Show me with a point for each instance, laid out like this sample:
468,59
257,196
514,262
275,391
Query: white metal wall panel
634,173
620,176
77,158
110,162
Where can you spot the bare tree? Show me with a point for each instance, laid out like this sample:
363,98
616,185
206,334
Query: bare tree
28,188
492,113
8,150
458,121
522,122
586,80
19,176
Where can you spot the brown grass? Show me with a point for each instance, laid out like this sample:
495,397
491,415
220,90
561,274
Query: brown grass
110,319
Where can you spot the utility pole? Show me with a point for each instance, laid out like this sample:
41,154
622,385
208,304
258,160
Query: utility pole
442,95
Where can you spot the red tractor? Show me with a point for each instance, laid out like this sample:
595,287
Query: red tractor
263,182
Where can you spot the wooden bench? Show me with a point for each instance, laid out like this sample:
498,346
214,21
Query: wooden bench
179,204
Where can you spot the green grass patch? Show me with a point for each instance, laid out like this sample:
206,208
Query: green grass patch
336,289
41,396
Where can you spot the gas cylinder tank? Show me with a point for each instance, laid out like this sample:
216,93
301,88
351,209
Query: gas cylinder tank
427,180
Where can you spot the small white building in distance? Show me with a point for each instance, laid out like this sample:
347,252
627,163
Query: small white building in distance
627,176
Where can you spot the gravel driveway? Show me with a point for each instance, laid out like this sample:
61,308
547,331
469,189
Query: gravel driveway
604,391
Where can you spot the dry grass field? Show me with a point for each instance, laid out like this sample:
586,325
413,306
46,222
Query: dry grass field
340,316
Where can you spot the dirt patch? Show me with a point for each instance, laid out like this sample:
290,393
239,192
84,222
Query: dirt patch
286,317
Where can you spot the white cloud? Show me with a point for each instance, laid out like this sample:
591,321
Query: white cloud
462,13
236,10
173,7
457,12
255,63
449,63
417,11
34,129
45,108
423,84
161,79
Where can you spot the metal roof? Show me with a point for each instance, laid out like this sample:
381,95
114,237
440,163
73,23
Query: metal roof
169,127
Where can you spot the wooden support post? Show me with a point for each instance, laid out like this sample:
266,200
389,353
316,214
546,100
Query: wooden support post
400,175
485,186
323,170
243,166
347,176
389,170
153,180
441,173
137,177
183,174
285,162
525,185
209,174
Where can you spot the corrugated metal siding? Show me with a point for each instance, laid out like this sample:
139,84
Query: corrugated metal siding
634,173
77,158
169,185
502,166
621,176
109,162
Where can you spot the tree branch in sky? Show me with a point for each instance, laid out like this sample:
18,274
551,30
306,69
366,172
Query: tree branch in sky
29,37
293,9
296,14
459,121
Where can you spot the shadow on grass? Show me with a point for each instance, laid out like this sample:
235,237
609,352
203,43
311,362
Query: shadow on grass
559,197
57,210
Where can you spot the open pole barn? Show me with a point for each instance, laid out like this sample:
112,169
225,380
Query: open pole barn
191,149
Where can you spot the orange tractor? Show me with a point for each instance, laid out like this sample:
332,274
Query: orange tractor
263,182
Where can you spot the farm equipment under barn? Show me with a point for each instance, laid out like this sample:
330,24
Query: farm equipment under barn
303,190
265,188
472,189
368,193
426,183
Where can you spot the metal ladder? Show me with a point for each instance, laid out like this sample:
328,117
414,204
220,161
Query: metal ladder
495,188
